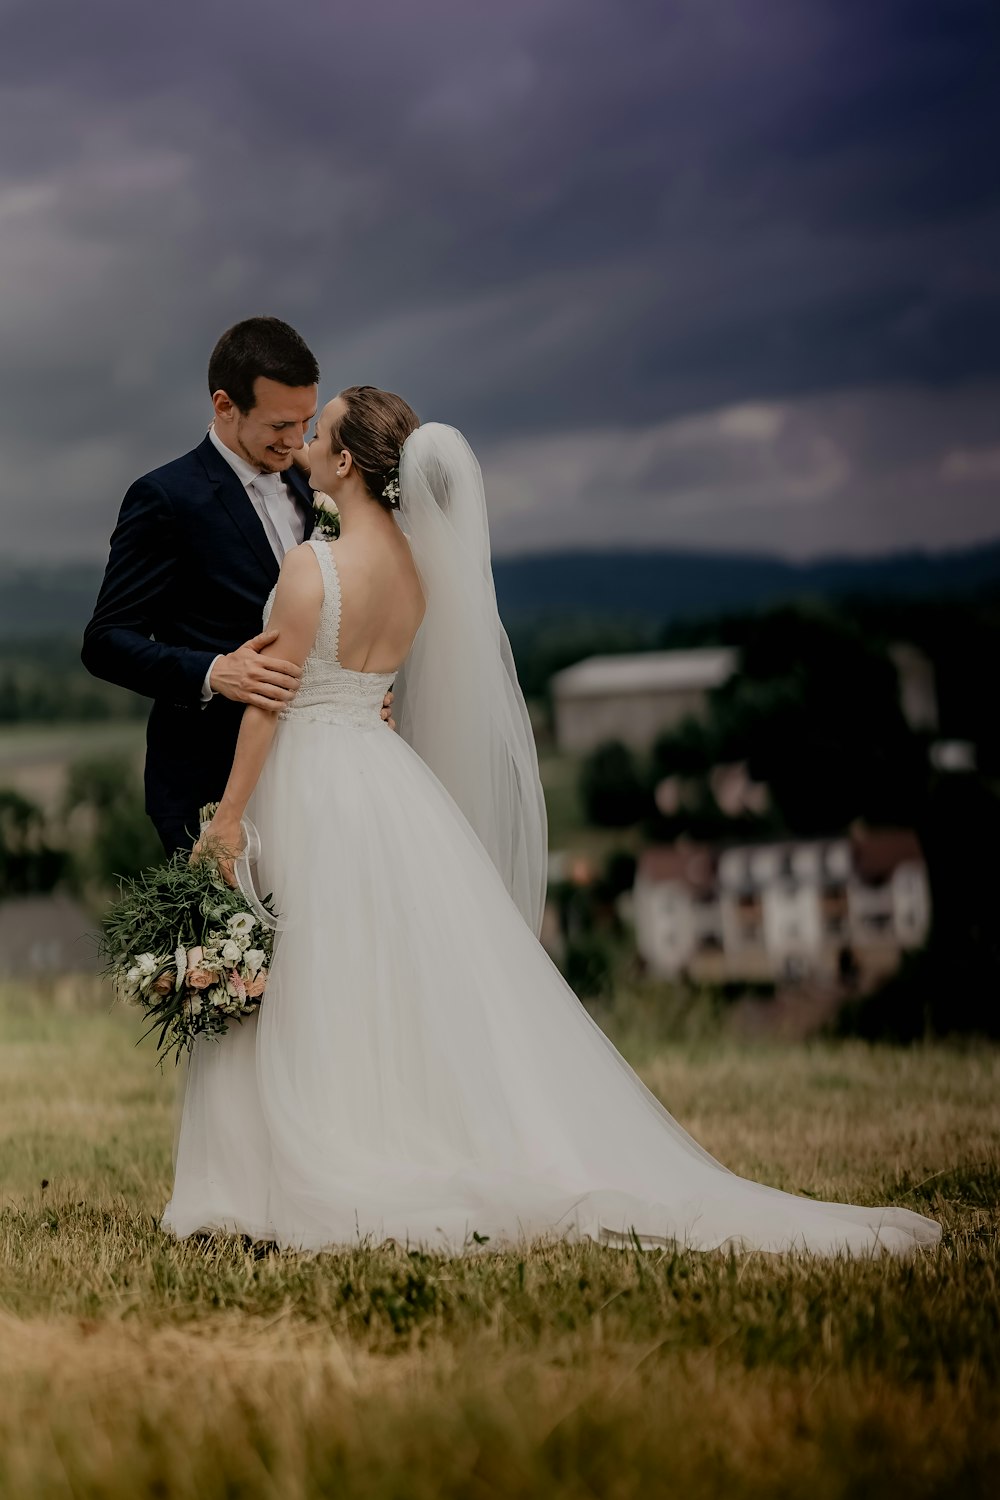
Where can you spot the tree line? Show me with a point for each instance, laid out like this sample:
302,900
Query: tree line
814,715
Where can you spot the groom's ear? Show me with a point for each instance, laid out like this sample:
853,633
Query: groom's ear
225,410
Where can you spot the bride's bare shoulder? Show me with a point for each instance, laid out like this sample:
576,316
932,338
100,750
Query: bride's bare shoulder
301,574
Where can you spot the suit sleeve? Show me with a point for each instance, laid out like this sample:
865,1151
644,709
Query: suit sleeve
118,643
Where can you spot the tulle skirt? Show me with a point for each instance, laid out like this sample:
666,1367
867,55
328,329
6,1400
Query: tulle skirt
420,1070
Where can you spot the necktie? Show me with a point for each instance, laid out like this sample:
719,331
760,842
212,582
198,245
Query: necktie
271,490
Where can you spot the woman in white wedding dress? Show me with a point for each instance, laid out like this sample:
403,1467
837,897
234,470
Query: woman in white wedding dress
418,1068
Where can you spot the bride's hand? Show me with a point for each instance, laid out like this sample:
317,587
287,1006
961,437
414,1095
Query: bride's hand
221,841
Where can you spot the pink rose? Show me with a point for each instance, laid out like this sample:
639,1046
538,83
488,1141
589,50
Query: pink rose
165,983
195,956
255,986
200,979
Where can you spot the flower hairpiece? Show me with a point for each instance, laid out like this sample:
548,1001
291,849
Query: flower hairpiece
390,490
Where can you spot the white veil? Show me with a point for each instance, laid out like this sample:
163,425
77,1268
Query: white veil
458,701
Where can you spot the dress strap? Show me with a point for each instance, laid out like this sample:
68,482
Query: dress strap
331,591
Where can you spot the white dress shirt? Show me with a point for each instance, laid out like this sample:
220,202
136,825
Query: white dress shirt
275,505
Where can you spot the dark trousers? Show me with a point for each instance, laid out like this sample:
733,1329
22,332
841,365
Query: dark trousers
177,833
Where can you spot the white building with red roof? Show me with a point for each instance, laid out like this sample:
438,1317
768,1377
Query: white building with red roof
782,911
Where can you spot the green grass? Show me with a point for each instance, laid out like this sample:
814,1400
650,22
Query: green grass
560,779
23,744
134,1366
567,822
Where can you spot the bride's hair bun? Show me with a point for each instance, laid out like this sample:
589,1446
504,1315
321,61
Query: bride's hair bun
373,429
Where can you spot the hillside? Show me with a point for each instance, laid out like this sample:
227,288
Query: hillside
654,586
664,586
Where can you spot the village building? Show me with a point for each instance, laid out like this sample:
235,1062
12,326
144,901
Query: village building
44,936
635,698
638,697
824,909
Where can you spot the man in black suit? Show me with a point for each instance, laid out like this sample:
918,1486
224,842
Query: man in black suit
196,550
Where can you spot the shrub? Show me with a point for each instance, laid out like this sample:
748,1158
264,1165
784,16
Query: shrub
124,841
29,864
611,788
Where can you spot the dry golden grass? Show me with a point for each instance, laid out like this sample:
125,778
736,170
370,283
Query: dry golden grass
133,1366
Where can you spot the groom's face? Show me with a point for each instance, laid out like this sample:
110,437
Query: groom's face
269,434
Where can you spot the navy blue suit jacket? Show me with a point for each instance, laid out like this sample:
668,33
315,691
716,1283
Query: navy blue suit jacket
188,575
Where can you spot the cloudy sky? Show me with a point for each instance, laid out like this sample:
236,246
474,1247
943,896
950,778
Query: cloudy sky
714,273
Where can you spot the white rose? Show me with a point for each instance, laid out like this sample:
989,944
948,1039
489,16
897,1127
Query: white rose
241,925
134,975
146,963
324,502
253,958
231,952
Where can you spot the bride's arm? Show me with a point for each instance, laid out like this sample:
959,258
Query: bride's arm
295,616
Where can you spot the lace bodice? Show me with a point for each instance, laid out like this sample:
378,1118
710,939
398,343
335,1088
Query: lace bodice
328,692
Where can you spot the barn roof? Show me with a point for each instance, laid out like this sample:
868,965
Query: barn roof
879,851
874,854
647,672
691,864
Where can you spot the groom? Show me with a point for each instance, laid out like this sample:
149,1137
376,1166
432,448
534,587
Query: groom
195,553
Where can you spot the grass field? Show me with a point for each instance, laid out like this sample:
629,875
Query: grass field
34,758
131,1366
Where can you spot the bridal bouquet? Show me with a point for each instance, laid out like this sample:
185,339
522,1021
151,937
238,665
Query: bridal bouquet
181,945
326,516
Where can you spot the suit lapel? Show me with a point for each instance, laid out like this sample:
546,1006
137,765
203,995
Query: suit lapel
239,506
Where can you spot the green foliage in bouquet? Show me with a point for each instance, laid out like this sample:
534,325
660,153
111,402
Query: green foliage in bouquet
181,945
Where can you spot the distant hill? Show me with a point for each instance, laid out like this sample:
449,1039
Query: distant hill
50,600
651,586
665,586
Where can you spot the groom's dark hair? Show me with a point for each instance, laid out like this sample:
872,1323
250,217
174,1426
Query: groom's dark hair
259,346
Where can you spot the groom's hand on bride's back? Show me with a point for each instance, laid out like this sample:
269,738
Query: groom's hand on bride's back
249,675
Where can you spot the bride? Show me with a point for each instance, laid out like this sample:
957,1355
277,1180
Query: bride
419,1069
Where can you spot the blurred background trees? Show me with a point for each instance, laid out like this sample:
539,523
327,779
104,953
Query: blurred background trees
29,864
806,739
107,794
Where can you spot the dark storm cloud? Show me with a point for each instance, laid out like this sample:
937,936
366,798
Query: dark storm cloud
542,222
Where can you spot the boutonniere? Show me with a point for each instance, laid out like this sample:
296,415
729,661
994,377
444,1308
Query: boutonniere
326,516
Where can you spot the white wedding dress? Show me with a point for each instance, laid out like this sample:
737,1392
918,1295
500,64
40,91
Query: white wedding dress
419,1068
